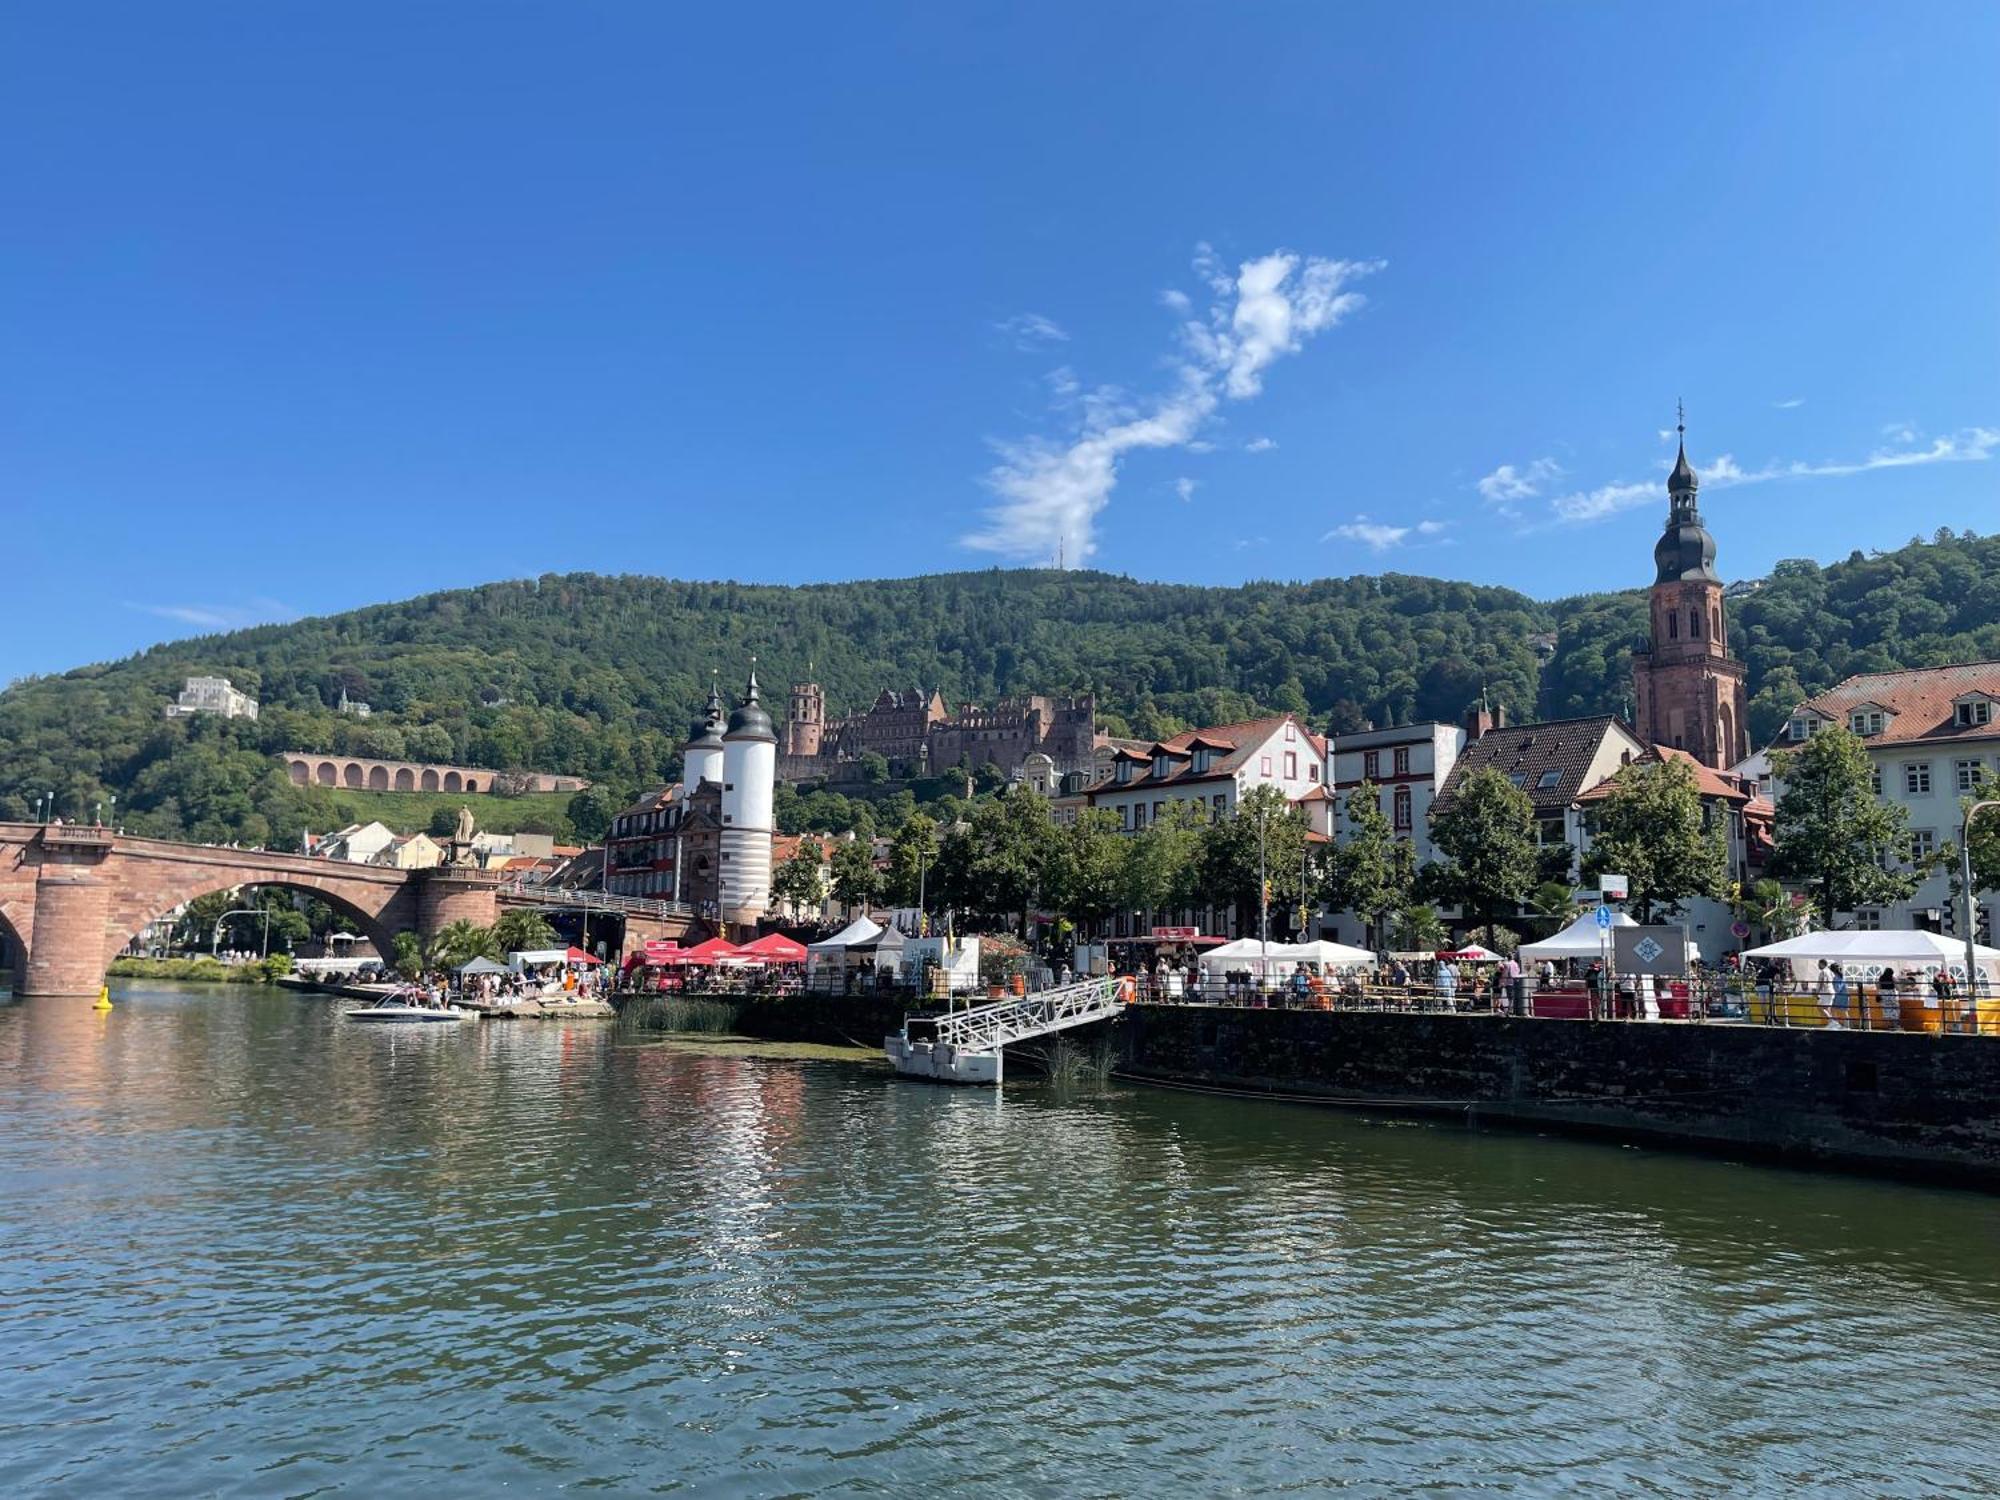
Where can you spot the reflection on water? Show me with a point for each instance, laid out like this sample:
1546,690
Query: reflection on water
246,1248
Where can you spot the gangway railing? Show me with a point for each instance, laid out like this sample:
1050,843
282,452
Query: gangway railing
988,1028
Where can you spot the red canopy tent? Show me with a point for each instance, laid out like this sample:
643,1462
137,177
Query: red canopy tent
711,952
578,956
657,952
776,948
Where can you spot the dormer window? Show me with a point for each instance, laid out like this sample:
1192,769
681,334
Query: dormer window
1202,758
1801,728
1972,713
1124,771
1866,721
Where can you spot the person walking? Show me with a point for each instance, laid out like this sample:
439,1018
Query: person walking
1838,986
1823,990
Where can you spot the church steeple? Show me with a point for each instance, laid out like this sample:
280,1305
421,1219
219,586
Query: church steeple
1685,550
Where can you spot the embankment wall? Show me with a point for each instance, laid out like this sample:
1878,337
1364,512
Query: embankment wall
1880,1101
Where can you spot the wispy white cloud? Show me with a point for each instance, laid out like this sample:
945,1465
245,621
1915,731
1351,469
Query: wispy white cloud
259,611
1379,536
1185,488
1968,445
1790,404
1049,494
1201,445
1244,542
1175,301
1260,445
1508,483
1031,332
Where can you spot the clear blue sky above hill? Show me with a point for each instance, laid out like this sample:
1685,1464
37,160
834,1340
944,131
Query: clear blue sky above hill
307,306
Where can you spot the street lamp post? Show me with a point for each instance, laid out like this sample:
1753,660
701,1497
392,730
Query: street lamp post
1967,906
1263,895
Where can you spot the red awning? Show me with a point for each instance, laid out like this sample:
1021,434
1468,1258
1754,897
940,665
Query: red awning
710,952
775,947
578,956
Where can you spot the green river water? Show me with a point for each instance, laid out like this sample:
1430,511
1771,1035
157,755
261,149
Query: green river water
248,1249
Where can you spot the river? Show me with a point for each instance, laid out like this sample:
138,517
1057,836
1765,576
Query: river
249,1249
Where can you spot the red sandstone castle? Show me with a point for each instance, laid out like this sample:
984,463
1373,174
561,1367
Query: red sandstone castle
1687,688
917,732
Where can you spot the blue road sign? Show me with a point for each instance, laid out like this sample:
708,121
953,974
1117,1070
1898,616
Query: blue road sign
1603,917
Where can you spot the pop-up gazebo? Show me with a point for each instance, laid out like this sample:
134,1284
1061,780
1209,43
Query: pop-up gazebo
1583,938
1871,952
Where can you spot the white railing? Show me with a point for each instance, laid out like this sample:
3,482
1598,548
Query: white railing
987,1028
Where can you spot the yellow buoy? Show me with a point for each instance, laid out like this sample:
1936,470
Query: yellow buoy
103,998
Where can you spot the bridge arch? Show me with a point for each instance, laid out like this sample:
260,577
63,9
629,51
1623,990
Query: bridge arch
300,771
406,779
451,781
13,952
134,911
378,778
350,775
429,780
326,774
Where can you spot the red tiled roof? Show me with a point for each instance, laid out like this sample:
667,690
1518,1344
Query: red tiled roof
1921,700
1233,742
1707,781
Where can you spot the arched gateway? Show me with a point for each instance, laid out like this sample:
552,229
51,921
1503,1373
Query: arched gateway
72,897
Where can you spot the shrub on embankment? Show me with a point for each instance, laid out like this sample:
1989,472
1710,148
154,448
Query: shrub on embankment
203,970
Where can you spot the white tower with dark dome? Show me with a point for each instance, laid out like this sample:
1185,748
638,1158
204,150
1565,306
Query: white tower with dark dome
749,782
701,756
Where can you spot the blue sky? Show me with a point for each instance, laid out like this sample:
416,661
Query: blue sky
308,306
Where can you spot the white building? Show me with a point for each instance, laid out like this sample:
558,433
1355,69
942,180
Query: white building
1212,768
1933,736
212,695
1407,765
357,843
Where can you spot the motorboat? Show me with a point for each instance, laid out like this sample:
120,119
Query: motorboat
403,1008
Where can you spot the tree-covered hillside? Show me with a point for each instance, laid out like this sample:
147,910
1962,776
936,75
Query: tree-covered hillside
601,675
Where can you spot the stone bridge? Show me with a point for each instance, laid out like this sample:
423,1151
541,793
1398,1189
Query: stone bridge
73,896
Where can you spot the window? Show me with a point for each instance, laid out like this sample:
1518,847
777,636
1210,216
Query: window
1868,919
1797,730
1221,803
1371,764
1124,770
1291,765
1519,778
1973,714
1138,816
1917,778
1673,627
1158,808
1866,721
1403,762
1970,774
1263,765
1552,832
1694,624
1548,780
1291,731
1402,809
1923,844
1312,772
1874,781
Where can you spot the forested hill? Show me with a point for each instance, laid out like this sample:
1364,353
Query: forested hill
601,675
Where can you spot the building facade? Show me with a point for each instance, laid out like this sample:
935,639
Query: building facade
919,733
1687,690
212,695
1933,739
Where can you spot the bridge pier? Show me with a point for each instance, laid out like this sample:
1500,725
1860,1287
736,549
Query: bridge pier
457,893
72,913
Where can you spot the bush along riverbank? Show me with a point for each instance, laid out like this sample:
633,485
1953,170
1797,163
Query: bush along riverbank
203,970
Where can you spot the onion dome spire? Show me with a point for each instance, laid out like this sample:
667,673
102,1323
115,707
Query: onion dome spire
1685,550
751,721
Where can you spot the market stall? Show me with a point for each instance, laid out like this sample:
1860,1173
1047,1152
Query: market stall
1798,997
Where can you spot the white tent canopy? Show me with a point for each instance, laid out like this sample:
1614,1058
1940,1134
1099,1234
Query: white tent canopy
856,934
1581,939
1251,951
1872,951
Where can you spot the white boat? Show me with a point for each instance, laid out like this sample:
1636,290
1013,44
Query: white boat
398,1009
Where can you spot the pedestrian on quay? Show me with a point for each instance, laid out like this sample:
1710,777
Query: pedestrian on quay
1447,983
1838,985
1823,990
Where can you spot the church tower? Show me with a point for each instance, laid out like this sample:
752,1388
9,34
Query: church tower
1687,689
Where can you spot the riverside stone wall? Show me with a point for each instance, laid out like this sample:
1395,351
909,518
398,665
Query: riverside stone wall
1885,1101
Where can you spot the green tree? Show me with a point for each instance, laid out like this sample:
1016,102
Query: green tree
1417,929
912,855
874,768
855,883
443,823
1230,853
522,931
591,811
1652,828
1083,874
801,881
460,942
1832,833
1372,871
1486,835
991,867
1162,868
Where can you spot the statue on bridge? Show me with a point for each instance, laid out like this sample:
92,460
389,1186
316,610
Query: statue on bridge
459,851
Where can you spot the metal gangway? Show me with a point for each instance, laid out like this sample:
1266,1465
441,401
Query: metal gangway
968,1045
568,899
